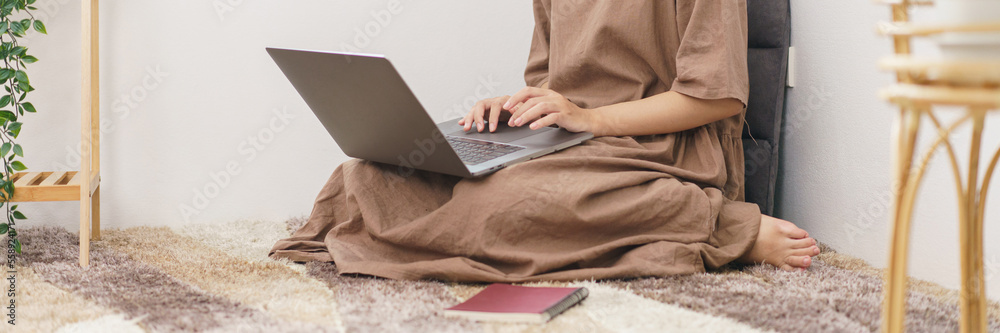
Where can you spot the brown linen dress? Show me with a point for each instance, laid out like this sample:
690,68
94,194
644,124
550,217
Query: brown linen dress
612,207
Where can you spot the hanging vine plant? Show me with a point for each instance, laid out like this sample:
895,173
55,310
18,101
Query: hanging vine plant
16,20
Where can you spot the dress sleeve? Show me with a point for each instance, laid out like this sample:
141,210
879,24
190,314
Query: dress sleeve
537,71
712,56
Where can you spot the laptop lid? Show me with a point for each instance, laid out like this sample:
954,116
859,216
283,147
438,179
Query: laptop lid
368,110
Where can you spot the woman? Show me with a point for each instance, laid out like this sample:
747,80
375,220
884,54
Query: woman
661,84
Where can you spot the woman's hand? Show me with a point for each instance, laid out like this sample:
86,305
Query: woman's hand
475,116
544,107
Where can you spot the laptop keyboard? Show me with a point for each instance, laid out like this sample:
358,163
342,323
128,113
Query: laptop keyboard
473,152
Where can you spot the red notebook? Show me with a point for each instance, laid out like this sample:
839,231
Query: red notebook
504,302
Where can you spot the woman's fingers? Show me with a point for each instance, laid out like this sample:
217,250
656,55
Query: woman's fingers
523,95
466,121
516,113
490,110
520,115
477,115
470,119
537,110
535,106
496,108
548,120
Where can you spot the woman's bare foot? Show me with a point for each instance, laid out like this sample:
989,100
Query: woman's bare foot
781,244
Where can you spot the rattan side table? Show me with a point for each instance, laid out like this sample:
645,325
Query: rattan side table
922,84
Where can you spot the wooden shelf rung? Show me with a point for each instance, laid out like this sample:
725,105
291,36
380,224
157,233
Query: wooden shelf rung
919,94
45,186
911,29
910,2
54,178
76,179
980,71
28,179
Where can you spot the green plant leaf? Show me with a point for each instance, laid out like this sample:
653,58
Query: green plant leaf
18,151
6,74
14,129
7,116
4,101
40,27
28,107
21,76
18,215
3,228
16,28
18,166
5,148
18,51
29,59
17,244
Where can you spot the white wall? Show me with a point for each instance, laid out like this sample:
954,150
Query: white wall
835,171
213,102
170,137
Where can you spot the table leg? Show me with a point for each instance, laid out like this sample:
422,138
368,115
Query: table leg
895,294
973,297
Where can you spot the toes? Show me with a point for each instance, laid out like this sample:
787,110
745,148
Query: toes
798,233
793,231
805,252
799,261
787,268
803,243
788,229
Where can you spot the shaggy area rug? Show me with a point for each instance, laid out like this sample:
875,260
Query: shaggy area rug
217,278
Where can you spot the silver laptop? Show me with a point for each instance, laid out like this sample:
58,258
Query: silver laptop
371,113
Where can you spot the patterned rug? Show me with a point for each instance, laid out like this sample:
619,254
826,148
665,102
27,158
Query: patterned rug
217,278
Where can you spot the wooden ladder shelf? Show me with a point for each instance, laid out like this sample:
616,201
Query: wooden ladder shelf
76,185
51,186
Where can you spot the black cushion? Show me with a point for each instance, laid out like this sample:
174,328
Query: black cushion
767,87
758,187
769,24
